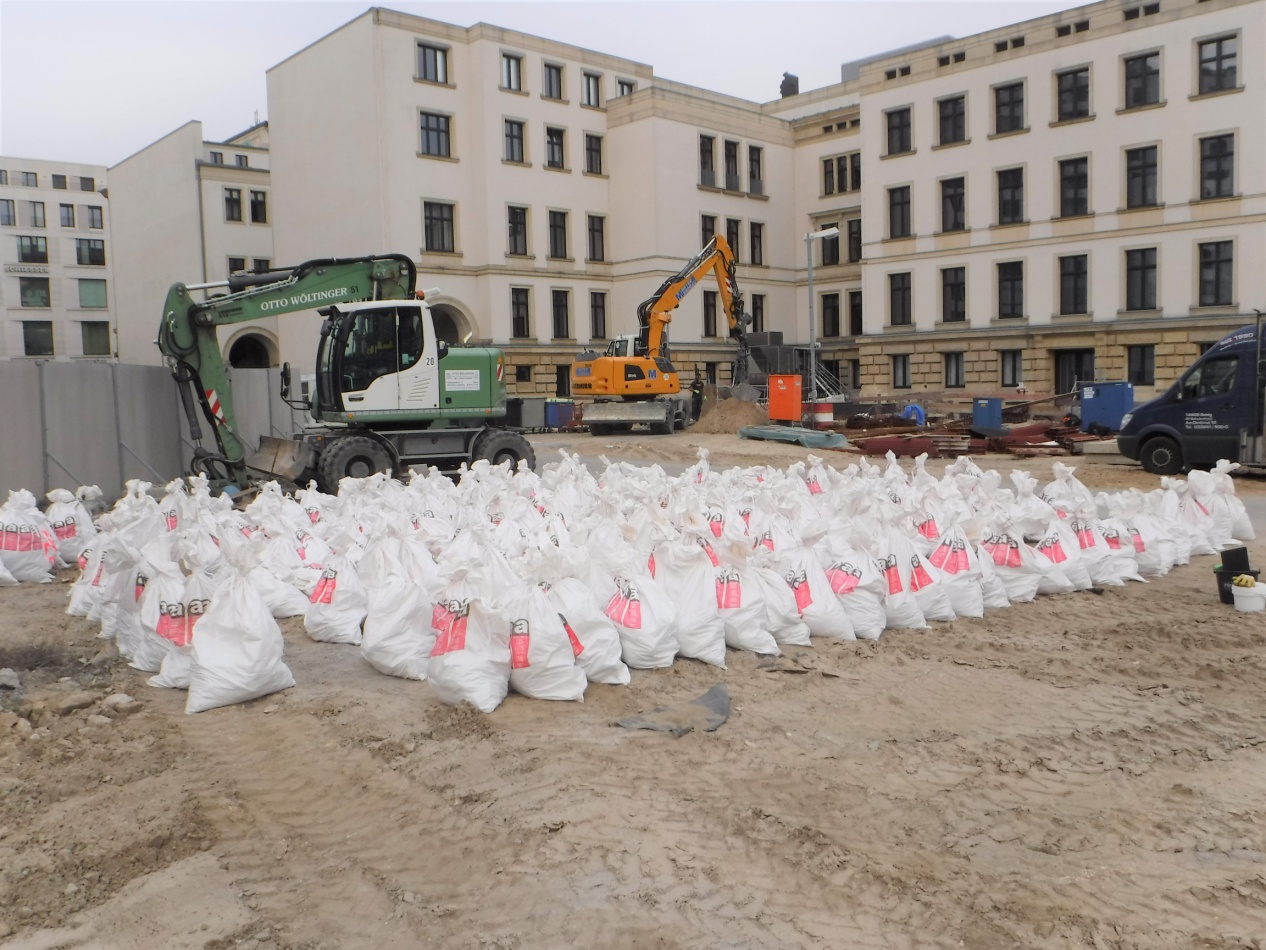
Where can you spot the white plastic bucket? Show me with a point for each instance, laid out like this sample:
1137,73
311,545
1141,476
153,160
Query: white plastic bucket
1249,599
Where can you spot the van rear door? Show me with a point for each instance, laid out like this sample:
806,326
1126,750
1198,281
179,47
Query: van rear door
1216,402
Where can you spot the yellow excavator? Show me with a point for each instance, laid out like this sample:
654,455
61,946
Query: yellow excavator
634,382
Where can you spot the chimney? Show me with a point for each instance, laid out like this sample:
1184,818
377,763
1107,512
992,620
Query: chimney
790,85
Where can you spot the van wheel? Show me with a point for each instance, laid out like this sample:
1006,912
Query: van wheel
1161,456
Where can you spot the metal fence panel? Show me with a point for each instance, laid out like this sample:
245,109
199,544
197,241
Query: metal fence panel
81,436
21,444
151,424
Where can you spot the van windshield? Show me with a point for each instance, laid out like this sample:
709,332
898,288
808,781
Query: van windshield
1211,378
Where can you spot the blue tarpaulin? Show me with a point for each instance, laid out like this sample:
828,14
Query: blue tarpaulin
809,438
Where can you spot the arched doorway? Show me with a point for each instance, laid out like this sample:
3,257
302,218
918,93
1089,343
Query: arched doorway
249,352
450,323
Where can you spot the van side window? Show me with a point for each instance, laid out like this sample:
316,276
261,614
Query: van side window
1211,378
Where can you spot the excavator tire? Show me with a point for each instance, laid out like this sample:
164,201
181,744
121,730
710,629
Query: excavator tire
355,456
501,445
599,428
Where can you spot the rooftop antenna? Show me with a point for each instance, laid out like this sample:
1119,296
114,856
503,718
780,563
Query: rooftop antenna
257,117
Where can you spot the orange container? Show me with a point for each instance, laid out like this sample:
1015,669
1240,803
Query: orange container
785,402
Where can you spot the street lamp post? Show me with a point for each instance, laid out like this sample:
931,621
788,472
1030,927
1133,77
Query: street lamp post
813,346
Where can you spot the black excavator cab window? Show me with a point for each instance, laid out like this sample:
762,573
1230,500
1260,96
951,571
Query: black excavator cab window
369,348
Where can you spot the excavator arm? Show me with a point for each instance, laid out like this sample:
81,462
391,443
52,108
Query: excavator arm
188,341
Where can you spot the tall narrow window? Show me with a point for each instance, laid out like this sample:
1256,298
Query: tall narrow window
591,86
520,316
707,161
1140,177
554,148
1011,196
593,154
900,139
1074,187
95,219
732,182
1011,289
553,81
709,313
1009,108
597,315
512,72
7,214
855,326
830,246
90,251
1073,284
755,172
901,371
432,63
1142,80
953,204
899,212
514,140
1011,367
597,238
954,294
707,229
756,240
953,120
899,299
955,376
732,226
437,227
259,207
435,135
516,221
37,214
830,315
68,216
828,177
1215,274
560,304
855,172
758,313
1140,279
1218,62
558,234
853,231
1141,365
1073,88
1217,166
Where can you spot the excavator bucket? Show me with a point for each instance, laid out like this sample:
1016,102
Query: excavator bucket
284,458
745,391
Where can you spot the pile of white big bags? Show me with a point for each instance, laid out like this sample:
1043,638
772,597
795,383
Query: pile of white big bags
542,583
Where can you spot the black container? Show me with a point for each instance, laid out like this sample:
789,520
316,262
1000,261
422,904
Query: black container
1235,559
1224,581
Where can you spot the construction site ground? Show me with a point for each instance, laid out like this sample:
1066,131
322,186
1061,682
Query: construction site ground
1085,771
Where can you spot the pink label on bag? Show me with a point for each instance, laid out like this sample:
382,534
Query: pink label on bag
520,638
717,523
324,592
815,488
65,530
799,583
83,562
1053,549
170,518
927,528
141,581
746,515
729,590
625,607
1085,534
710,551
888,567
96,580
314,514
1113,538
950,556
843,577
1004,551
577,647
919,576
172,624
650,564
766,541
1139,546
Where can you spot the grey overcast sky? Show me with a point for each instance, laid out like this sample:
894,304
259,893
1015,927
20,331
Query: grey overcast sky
96,81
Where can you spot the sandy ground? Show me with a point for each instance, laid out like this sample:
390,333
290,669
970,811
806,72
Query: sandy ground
1085,771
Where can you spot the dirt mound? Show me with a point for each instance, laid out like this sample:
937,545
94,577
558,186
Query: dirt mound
729,416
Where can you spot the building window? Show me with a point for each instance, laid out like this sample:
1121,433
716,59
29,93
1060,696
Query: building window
756,241
523,374
899,212
709,313
242,161
1009,108
1073,284
900,139
511,72
30,180
435,130
1140,279
954,294
591,85
232,204
558,234
4,177
842,173
755,172
593,154
953,116
432,63
217,158
955,377
731,154
68,216
560,301
520,321
87,184
562,380
37,214
33,292
707,229
597,315
59,182
624,87
553,85
853,232
1011,196
259,207
830,247
828,176
1215,274
707,161
1217,166
1011,289
261,265
732,236
1218,64
1142,80
237,265
1140,177
855,327
95,337
830,315
899,299
1141,363
32,250
517,238
7,214
37,335
92,294
95,219
1074,187
597,238
953,204
437,227
1073,88
514,141
1011,366
758,313
554,148
901,371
